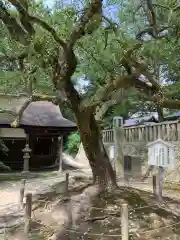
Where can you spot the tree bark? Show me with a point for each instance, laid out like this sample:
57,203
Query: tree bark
85,117
94,148
91,139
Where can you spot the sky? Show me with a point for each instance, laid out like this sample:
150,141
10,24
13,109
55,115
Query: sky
110,10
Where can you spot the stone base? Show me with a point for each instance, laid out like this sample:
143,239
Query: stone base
60,169
24,173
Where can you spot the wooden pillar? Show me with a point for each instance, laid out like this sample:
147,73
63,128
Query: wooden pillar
154,184
67,184
124,222
27,215
60,154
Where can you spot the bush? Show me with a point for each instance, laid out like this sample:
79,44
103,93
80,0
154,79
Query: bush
73,143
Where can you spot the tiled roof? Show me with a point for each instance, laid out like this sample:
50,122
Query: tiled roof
40,113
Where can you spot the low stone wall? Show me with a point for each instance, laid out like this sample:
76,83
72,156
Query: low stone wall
171,174
135,152
139,156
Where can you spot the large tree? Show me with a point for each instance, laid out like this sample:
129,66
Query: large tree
67,42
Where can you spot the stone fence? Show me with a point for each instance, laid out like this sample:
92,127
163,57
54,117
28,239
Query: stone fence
133,144
168,131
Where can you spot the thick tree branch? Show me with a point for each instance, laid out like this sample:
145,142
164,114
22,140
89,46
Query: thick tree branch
14,28
16,122
66,64
142,69
13,57
153,93
103,94
50,29
67,61
103,109
22,7
150,31
165,102
156,93
33,98
95,7
153,29
166,7
28,19
152,18
37,97
158,97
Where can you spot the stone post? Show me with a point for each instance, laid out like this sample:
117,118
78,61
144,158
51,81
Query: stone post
119,156
26,157
124,222
27,215
118,145
160,183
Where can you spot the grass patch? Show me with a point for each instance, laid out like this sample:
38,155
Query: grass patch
10,177
13,177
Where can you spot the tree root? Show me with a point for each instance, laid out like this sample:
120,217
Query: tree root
102,217
96,218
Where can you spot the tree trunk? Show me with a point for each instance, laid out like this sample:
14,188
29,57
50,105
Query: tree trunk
92,142
85,116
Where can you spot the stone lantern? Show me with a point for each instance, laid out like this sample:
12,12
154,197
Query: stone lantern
26,157
117,122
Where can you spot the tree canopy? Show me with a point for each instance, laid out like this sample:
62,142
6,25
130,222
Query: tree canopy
103,56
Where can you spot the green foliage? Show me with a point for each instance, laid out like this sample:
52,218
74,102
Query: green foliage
98,56
73,143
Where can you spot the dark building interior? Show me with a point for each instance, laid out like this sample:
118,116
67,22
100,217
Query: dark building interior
44,152
43,124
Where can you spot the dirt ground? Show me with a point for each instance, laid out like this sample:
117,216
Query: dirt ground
88,214
10,213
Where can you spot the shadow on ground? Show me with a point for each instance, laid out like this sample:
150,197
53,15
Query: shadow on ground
148,219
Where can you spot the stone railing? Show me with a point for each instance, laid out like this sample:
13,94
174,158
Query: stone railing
168,131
